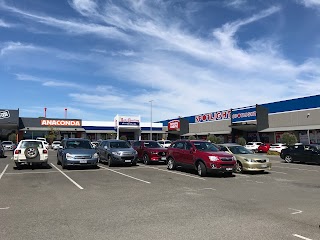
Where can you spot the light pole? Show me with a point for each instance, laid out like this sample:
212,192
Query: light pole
151,119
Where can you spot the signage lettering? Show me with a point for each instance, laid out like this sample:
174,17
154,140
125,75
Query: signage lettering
210,117
174,125
4,114
46,122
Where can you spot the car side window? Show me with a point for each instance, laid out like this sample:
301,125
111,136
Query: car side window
180,145
188,146
222,148
136,144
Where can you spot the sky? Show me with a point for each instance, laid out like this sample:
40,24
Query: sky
159,58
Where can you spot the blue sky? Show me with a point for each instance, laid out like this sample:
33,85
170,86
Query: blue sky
99,58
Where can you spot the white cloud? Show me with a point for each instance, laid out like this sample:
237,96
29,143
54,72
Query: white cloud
310,3
5,24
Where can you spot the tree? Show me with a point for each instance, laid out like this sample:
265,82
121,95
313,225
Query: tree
241,141
12,137
192,137
52,134
123,137
288,138
214,139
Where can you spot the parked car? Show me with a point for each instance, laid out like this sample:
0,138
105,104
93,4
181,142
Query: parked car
253,146
55,145
116,151
8,145
2,151
30,152
200,155
41,139
46,144
264,148
164,143
246,160
76,151
150,151
95,144
277,147
301,153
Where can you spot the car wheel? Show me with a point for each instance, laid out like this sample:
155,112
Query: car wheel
288,159
110,163
239,167
18,166
171,165
31,152
58,161
146,159
99,159
64,166
202,170
134,163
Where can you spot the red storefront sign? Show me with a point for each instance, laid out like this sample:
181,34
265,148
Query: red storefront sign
174,125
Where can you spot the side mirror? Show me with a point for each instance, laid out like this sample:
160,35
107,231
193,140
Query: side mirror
105,147
60,147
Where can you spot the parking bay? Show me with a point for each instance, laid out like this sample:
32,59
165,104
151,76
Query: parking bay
147,202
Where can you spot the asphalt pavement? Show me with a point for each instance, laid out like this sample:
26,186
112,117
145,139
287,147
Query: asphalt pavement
150,202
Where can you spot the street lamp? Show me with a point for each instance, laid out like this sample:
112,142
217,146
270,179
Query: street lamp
151,119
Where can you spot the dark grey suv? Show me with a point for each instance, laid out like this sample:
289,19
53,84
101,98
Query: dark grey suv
116,151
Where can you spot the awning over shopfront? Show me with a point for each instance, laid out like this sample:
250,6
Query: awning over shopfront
249,127
292,128
101,131
207,133
64,129
153,131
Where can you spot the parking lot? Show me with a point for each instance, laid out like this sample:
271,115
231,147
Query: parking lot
150,202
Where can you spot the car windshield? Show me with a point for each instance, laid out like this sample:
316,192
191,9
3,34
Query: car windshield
239,150
27,144
205,146
119,145
152,145
7,143
56,143
78,144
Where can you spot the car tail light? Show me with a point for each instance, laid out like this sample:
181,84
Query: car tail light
45,151
17,151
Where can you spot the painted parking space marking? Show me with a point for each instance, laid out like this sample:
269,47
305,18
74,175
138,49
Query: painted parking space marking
125,175
299,169
21,173
4,170
301,237
4,208
174,172
296,211
70,179
278,172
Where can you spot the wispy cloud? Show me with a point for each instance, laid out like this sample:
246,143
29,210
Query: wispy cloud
310,3
5,24
8,47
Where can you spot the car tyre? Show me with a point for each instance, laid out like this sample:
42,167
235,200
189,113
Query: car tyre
110,162
58,161
134,163
288,159
18,166
171,165
239,167
146,159
64,166
201,169
31,152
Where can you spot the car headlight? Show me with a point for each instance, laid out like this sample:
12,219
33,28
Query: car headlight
234,158
213,158
69,156
134,152
116,153
95,155
154,152
249,160
267,160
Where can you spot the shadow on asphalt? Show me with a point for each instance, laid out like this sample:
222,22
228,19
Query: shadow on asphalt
32,167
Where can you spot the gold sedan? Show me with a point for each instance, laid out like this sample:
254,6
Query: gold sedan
246,160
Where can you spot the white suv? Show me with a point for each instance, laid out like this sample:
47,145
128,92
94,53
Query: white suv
164,143
277,147
253,146
29,152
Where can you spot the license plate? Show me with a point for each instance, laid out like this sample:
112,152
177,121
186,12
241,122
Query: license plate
229,169
264,165
83,161
163,158
127,160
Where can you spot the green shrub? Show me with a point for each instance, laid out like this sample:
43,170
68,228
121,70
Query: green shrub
214,139
123,137
192,137
273,153
241,141
288,138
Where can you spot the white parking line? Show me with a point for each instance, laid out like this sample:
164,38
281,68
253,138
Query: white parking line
278,172
296,211
4,170
71,180
299,169
176,173
4,208
124,174
302,237
20,173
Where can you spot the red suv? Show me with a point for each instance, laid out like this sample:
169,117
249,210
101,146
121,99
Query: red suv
264,147
150,151
200,155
